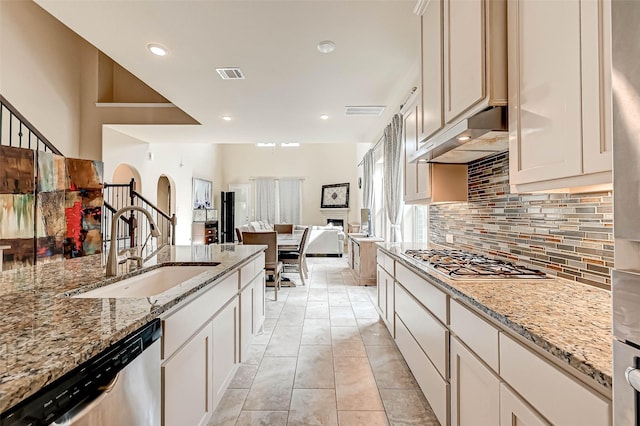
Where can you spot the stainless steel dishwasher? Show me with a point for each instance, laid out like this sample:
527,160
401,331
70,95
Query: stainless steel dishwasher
120,386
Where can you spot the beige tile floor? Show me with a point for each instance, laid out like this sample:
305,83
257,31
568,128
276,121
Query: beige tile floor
324,358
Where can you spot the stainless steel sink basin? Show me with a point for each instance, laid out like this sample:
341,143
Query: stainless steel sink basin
148,284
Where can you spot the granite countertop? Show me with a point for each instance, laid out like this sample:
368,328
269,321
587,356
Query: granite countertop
570,321
44,333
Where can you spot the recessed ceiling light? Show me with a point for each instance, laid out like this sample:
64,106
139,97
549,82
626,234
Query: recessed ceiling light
289,144
326,46
156,49
464,138
324,117
265,144
226,118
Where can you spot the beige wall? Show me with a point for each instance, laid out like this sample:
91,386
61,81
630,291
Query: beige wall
50,75
318,164
40,73
179,162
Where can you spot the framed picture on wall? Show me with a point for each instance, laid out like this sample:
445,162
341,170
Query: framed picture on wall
335,196
202,194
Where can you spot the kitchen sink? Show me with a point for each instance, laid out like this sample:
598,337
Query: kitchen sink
149,283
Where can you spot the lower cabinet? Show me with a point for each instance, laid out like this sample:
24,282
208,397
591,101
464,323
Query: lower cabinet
385,302
251,312
514,411
224,350
475,389
187,384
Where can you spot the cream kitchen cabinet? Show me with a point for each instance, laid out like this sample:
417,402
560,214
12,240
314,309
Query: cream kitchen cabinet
424,182
463,60
514,411
417,184
385,302
224,359
252,287
559,115
475,389
187,385
429,113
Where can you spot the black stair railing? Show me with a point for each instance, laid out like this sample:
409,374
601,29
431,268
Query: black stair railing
17,131
133,229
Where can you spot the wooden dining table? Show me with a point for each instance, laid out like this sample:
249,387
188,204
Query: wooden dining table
289,242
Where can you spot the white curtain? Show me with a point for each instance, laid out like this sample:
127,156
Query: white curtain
367,184
289,189
266,200
393,175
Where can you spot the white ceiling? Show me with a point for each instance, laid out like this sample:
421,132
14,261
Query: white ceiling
288,84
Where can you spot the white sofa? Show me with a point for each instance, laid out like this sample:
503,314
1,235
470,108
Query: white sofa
325,240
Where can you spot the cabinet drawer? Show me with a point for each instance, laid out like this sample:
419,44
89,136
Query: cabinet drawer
425,329
480,336
557,396
251,269
425,292
386,262
435,389
181,325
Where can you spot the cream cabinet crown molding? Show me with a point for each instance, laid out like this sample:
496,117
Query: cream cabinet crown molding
420,7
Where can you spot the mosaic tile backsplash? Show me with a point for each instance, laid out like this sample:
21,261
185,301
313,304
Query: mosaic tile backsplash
567,235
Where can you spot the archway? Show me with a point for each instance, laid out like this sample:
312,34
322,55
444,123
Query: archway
123,175
165,196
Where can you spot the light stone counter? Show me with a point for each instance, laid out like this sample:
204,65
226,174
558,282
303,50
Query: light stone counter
44,333
570,321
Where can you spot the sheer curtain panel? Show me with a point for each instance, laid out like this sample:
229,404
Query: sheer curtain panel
367,184
289,189
393,175
266,200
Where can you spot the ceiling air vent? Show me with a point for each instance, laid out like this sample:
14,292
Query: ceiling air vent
363,110
230,73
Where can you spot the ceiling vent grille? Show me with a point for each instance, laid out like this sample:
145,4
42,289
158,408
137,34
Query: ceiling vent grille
230,73
364,110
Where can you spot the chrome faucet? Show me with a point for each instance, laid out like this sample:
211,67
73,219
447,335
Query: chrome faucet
112,259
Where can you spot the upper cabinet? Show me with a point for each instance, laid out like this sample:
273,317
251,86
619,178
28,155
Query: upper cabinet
429,114
425,182
463,61
559,95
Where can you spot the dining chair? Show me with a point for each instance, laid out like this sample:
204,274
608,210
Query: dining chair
297,259
239,235
283,228
272,266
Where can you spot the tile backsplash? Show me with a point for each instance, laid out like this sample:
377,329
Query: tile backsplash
568,235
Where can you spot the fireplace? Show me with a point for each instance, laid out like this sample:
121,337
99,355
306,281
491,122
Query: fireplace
336,222
337,216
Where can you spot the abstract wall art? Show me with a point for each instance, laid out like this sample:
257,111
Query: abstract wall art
50,225
83,213
17,170
51,172
84,174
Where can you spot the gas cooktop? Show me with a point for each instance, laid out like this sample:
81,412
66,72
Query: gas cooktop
458,264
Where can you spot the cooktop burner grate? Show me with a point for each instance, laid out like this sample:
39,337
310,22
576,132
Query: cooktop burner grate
460,264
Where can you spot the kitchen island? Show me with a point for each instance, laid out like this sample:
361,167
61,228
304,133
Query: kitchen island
535,340
45,333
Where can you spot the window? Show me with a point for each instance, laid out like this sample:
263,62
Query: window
279,200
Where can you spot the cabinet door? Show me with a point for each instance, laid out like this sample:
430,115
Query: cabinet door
545,140
597,132
382,292
464,56
225,334
416,175
430,118
516,412
475,390
258,302
186,382
246,319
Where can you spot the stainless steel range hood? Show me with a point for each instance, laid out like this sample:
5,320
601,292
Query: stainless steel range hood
482,135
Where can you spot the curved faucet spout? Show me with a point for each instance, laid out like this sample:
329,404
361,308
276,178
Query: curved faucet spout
112,259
